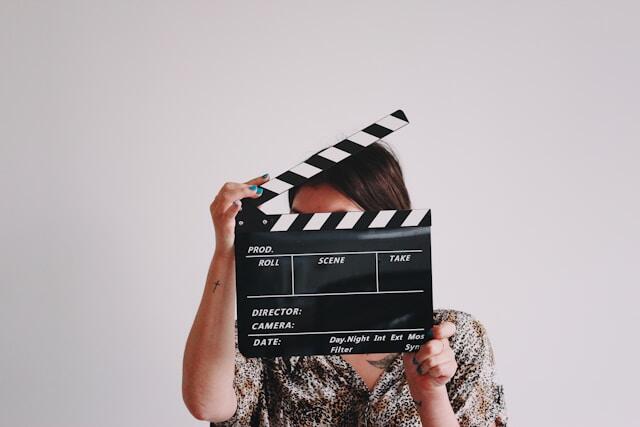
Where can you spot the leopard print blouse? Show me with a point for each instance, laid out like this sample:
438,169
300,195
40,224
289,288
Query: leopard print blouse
326,390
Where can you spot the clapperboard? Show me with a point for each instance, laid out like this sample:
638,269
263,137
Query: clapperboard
332,282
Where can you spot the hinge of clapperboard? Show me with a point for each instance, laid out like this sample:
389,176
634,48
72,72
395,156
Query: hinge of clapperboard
253,218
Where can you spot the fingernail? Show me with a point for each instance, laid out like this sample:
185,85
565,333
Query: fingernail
253,187
237,202
266,175
259,191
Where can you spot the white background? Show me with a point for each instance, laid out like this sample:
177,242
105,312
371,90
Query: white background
119,121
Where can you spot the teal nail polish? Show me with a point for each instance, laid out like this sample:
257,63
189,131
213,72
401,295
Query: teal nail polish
259,191
266,175
252,188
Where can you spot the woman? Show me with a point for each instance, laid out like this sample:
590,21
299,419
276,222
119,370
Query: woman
450,381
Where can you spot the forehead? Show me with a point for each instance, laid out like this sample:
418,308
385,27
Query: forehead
322,198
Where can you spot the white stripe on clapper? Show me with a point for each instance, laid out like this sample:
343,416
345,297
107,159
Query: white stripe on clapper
338,332
306,170
414,218
382,219
293,278
363,138
284,222
391,122
377,275
334,154
335,253
276,185
329,294
349,220
316,221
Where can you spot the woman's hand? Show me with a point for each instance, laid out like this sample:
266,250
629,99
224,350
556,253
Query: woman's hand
225,207
432,366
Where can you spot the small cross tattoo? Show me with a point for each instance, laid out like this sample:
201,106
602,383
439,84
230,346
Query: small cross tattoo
215,285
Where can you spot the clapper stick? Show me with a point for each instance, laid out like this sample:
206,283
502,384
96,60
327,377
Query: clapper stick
324,160
332,282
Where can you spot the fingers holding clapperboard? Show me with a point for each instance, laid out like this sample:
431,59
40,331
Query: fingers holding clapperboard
226,206
433,365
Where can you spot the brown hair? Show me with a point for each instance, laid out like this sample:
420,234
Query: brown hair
372,178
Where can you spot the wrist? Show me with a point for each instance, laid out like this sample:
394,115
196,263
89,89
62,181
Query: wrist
225,255
434,408
432,393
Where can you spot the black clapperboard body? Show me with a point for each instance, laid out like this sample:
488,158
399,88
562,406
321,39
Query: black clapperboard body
332,282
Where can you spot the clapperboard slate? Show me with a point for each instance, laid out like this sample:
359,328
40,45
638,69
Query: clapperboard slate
332,283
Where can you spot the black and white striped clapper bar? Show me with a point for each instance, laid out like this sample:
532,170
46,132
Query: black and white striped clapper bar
332,282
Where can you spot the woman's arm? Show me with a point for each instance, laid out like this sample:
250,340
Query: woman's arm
474,393
427,372
208,364
435,409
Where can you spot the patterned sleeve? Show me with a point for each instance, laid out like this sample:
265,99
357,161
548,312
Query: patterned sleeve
247,383
475,393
